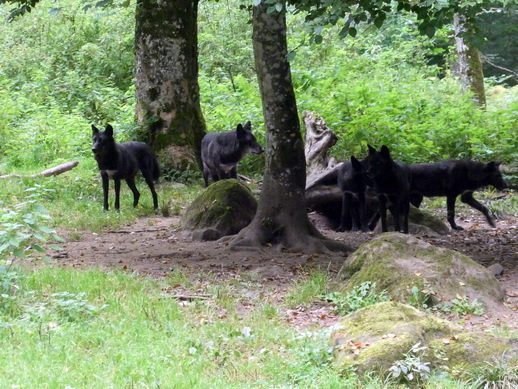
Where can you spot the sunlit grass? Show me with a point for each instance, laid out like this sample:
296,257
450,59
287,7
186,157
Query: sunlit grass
74,199
309,289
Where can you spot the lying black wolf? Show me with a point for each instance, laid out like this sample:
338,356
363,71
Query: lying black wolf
391,181
451,178
352,181
220,152
122,161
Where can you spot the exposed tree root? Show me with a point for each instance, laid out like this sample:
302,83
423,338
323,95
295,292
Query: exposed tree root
307,239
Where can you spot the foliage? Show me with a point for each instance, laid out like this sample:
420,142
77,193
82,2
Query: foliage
493,375
23,229
411,370
358,297
420,299
61,70
305,291
463,306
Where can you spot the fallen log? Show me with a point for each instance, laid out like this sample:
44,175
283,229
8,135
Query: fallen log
64,167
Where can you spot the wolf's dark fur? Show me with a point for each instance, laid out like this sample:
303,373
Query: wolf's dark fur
452,178
391,181
122,161
352,181
220,152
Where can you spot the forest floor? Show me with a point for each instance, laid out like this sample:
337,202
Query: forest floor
156,246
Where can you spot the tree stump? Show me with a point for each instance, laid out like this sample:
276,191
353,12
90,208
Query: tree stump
322,192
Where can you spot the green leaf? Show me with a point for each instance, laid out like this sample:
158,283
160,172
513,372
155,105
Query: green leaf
40,237
318,39
378,22
103,3
291,55
256,2
430,31
46,229
55,11
38,248
19,253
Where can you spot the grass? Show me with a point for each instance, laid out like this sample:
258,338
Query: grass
91,329
74,328
308,290
74,199
138,337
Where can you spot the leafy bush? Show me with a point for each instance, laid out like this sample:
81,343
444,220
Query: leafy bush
412,370
358,297
62,68
22,228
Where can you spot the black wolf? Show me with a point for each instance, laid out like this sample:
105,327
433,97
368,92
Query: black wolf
454,177
220,152
122,161
391,181
352,181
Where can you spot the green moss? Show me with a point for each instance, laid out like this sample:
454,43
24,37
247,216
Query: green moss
375,337
388,330
468,348
226,205
398,262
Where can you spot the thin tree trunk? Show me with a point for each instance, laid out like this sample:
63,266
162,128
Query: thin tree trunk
281,217
469,64
168,98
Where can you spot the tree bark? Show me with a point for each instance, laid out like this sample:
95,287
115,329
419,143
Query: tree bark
167,91
469,67
281,217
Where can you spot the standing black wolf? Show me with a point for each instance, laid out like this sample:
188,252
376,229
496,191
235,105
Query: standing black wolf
455,177
122,161
391,181
220,152
352,181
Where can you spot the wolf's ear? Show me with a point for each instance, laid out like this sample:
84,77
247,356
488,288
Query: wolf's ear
385,152
493,165
240,131
372,150
109,130
356,164
95,130
248,126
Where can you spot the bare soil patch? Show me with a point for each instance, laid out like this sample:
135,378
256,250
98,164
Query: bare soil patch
156,246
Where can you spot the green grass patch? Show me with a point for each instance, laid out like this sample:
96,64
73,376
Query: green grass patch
88,328
309,289
74,199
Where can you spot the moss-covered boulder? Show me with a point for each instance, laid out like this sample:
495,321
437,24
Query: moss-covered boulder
398,262
420,223
375,337
226,206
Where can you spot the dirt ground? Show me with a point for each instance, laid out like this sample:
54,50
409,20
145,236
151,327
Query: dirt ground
156,246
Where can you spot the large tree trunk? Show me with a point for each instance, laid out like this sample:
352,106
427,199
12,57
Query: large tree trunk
167,91
281,217
469,66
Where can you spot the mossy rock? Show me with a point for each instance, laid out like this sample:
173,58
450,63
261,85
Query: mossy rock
227,206
375,337
420,223
397,262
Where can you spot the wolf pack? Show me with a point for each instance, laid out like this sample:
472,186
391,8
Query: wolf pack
371,186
